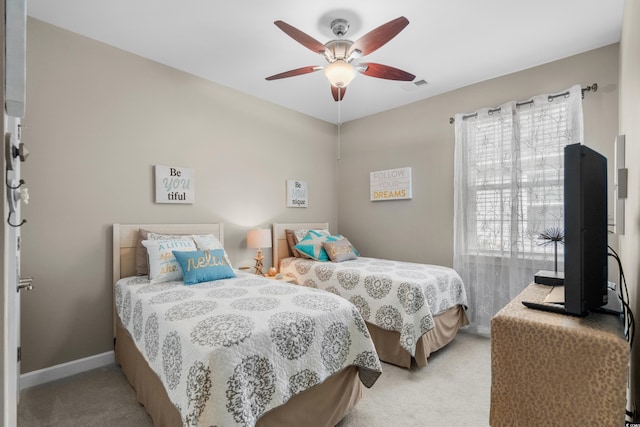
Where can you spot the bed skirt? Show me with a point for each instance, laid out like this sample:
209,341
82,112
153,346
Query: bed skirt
323,405
446,327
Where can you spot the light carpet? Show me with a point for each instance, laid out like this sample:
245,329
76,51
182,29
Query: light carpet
452,390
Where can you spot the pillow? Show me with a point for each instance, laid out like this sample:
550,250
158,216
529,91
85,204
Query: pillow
339,250
209,242
301,233
204,266
295,236
206,242
311,245
163,266
292,241
142,263
142,259
158,236
355,251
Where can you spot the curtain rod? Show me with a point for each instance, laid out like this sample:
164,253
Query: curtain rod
593,87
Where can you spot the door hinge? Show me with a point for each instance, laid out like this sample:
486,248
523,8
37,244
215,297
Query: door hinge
19,354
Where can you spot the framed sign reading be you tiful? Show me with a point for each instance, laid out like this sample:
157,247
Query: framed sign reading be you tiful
174,184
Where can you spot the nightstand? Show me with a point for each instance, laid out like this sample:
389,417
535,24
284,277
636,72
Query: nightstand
282,279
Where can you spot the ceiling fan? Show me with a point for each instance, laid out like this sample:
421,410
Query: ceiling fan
340,53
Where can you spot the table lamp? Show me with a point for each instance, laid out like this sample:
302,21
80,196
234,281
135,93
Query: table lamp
258,239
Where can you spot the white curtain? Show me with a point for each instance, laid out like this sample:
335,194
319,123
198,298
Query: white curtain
509,179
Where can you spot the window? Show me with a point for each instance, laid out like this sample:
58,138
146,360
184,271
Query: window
515,178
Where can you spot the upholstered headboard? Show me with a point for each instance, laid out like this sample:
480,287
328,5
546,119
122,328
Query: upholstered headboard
125,239
280,247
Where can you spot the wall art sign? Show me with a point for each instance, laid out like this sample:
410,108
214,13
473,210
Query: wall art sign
297,196
174,184
390,184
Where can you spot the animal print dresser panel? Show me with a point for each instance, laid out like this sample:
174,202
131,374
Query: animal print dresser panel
228,351
393,295
550,369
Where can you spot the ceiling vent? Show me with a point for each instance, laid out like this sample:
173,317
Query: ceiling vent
410,87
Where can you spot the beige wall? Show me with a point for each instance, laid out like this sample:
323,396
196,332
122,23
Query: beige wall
630,126
97,121
419,135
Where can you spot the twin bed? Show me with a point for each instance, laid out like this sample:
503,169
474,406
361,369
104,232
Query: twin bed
411,310
235,351
247,351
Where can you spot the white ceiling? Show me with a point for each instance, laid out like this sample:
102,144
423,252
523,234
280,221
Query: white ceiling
448,43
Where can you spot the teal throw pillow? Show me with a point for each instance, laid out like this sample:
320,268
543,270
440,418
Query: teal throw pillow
311,245
204,266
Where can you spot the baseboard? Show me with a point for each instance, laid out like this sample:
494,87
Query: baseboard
67,369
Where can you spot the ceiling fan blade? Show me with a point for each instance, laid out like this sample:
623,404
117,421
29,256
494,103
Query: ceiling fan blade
302,38
338,92
380,71
296,72
378,37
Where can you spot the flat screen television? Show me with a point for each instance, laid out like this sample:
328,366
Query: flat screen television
585,228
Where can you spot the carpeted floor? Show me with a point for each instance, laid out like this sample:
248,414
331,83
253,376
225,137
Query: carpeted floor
452,390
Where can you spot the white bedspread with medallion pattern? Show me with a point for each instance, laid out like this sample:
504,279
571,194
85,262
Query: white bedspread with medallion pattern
394,295
230,350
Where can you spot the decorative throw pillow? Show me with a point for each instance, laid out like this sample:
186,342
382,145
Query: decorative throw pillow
163,266
209,242
142,259
204,266
206,242
292,242
340,236
311,245
142,262
339,250
301,233
296,236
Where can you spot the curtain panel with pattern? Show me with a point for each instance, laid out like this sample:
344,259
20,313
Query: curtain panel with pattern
508,188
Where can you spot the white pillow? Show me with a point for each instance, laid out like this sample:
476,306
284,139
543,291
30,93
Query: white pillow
209,242
163,266
206,242
157,236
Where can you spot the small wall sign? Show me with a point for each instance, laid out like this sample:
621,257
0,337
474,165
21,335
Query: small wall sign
174,184
297,196
390,184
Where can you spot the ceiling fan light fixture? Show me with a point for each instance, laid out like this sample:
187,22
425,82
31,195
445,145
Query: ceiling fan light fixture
339,73
340,52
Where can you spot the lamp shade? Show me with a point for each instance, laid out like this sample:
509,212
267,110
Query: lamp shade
339,73
259,238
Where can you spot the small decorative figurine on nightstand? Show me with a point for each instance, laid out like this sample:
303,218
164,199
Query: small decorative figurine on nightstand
553,235
273,271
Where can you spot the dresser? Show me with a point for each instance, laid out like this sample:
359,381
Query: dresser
551,369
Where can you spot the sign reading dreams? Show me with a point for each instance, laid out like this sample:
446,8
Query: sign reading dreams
390,184
174,185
